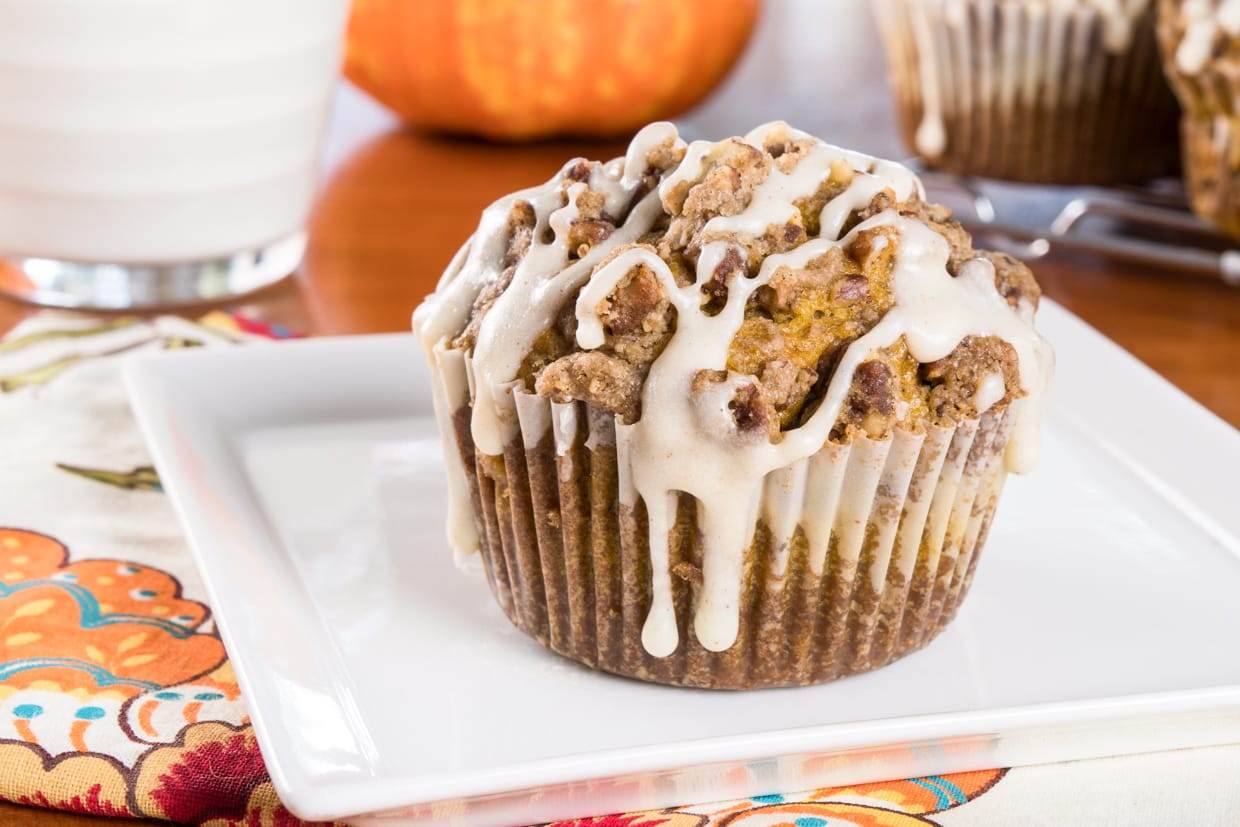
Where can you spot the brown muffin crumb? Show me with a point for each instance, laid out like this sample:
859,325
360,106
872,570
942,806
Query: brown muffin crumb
785,383
1014,280
688,572
634,305
725,189
664,156
637,318
584,233
753,412
521,221
715,290
551,345
596,378
579,170
871,402
955,379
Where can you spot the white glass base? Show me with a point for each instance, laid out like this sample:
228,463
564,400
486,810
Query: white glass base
102,286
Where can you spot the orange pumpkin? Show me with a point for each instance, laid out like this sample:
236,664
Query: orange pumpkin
522,69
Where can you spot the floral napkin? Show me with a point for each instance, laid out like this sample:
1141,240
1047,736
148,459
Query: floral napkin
117,698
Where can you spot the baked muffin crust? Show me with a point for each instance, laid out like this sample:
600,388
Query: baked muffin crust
795,326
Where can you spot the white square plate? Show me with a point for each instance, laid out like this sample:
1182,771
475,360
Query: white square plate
308,477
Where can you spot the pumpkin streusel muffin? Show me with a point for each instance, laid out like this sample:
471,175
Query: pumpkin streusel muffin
730,414
1201,49
1046,91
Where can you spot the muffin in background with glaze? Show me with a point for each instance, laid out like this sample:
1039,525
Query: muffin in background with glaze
1043,91
730,414
1201,50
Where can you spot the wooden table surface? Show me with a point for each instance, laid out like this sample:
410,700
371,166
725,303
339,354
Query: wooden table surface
396,205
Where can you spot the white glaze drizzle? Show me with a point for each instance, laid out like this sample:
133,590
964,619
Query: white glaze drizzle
931,136
1204,22
686,441
989,392
644,142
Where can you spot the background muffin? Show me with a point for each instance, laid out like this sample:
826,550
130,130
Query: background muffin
1201,50
1066,92
731,414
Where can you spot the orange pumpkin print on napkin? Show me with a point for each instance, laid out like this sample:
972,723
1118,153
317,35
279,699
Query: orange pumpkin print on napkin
94,623
100,662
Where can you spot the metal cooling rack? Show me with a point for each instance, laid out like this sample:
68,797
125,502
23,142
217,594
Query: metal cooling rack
1152,225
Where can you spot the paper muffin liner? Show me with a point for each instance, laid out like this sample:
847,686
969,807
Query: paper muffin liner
1209,129
1037,92
861,553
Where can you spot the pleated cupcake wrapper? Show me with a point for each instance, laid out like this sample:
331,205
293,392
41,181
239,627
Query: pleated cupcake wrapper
1030,91
861,552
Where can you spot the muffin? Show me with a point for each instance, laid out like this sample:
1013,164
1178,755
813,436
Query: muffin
730,414
1047,91
1201,50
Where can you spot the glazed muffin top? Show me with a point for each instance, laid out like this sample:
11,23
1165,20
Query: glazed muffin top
736,304
622,249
